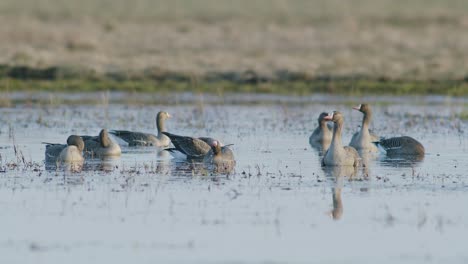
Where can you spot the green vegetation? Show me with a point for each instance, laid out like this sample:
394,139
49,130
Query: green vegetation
463,115
65,79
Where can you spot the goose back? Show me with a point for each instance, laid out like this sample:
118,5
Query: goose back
193,148
402,146
147,139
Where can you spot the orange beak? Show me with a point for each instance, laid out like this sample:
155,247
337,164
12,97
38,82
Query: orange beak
329,117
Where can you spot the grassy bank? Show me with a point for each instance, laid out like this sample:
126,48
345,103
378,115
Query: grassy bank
348,87
154,80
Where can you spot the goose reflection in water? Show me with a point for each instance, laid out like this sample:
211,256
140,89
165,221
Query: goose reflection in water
337,174
401,161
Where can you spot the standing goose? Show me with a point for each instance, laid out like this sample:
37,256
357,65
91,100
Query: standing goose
363,139
401,146
219,159
72,152
192,148
101,146
337,155
146,139
322,135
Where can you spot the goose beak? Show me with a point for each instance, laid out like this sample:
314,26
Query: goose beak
357,107
168,115
329,117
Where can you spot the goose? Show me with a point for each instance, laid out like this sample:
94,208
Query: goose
192,148
146,139
101,146
322,135
219,158
363,139
71,152
337,155
401,146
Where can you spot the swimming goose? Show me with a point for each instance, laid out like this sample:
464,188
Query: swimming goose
101,146
146,139
72,152
219,158
192,148
401,146
322,135
363,139
337,155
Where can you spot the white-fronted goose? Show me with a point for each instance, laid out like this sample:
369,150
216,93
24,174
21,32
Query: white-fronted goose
146,139
322,135
363,139
190,147
337,155
402,146
72,152
101,146
220,158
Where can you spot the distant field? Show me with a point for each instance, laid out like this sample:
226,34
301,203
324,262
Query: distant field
419,40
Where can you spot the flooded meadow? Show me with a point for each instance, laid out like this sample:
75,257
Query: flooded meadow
279,205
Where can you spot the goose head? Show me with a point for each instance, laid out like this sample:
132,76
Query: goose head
321,118
335,117
160,118
162,115
104,138
363,108
77,141
216,147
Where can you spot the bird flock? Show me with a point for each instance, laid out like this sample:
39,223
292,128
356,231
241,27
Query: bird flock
211,152
327,138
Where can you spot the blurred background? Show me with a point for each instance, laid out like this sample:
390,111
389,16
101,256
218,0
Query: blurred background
275,46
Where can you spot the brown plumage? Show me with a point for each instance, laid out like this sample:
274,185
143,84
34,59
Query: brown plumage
101,146
147,139
192,148
363,139
322,135
220,158
71,151
337,155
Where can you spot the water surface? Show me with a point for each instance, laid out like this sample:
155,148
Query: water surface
279,205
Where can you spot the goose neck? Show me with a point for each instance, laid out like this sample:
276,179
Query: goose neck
366,120
105,140
336,140
160,124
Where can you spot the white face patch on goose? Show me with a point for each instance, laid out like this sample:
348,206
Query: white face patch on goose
359,106
332,114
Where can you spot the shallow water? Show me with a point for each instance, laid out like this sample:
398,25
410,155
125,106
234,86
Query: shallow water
277,207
